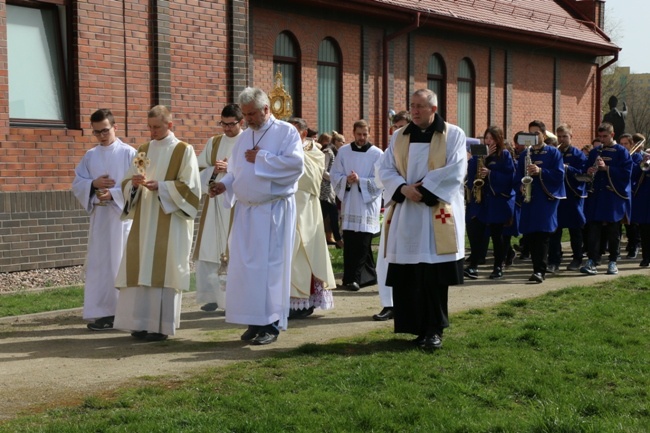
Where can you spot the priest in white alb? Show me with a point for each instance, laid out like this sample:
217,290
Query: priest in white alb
162,192
96,186
212,237
312,277
423,171
262,177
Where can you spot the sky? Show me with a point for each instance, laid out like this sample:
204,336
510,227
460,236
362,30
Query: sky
626,23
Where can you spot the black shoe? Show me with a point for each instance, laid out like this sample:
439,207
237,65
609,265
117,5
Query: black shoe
300,314
141,335
103,324
386,313
351,287
264,338
155,336
250,333
644,263
419,340
510,257
471,273
496,274
211,306
431,343
631,254
536,277
574,265
552,268
524,256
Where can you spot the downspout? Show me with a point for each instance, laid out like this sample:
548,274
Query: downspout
384,81
599,79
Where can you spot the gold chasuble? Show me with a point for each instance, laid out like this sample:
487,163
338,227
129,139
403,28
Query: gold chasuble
444,226
216,141
159,240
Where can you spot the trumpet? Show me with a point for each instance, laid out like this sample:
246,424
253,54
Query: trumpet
638,146
527,180
586,177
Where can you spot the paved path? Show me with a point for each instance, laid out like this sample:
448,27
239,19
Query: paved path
52,359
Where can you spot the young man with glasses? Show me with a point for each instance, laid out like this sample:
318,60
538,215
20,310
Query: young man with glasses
96,187
212,237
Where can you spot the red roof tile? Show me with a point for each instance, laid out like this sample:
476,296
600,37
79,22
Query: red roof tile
543,17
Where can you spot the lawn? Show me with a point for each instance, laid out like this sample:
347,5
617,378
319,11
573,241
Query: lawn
575,360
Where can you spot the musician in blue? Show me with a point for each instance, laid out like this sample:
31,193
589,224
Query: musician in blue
498,194
570,212
538,219
608,201
641,200
474,217
631,229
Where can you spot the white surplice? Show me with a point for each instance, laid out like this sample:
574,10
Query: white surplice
214,236
155,267
360,205
310,252
107,233
410,238
262,234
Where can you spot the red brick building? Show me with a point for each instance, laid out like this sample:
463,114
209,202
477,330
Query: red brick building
491,61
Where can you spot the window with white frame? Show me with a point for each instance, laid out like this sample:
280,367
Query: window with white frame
36,57
437,81
466,87
286,59
329,86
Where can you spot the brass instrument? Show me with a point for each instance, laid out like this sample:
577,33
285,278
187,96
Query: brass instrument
527,181
637,147
586,177
645,162
477,186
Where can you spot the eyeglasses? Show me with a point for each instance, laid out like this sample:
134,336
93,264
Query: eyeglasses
102,131
229,125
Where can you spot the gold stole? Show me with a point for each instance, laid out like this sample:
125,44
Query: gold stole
216,141
162,231
442,215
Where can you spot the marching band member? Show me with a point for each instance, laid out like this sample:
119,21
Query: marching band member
498,193
640,202
632,230
570,212
607,202
474,217
540,166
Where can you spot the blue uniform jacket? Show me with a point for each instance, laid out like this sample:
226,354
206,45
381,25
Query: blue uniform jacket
498,191
640,194
609,196
570,212
540,215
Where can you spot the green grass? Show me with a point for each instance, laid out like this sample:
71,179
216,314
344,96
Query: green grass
23,302
575,360
29,302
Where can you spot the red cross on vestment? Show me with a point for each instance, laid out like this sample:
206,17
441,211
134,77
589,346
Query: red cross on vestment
442,216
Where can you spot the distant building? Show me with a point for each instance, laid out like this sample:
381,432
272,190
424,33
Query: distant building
490,61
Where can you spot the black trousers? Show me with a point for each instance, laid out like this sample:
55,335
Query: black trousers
358,261
330,209
538,247
633,237
478,241
498,243
644,230
555,245
598,230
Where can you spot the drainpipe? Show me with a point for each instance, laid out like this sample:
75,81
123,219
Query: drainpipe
384,81
599,79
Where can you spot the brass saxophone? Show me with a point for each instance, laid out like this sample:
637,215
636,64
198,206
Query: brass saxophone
477,186
527,180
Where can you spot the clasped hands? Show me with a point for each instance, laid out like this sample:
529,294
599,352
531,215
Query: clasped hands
221,166
101,185
352,178
216,188
411,192
139,179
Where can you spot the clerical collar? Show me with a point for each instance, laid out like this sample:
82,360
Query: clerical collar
417,135
363,148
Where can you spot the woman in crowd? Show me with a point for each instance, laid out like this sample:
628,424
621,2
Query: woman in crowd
327,196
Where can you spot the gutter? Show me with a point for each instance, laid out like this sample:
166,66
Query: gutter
384,81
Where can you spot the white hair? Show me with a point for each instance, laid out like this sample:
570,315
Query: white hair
255,95
429,95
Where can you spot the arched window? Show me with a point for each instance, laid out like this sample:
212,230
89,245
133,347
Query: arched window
329,86
437,81
286,58
466,86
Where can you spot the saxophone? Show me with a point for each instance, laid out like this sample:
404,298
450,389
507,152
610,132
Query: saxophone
477,186
527,180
